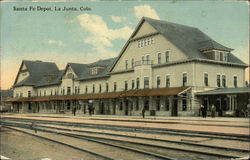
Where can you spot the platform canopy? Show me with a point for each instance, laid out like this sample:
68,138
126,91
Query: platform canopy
111,95
219,91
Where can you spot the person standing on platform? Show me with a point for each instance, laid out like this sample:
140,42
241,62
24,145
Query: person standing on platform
202,108
74,111
205,112
143,112
90,107
213,109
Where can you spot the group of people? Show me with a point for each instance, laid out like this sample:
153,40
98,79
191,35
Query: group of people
204,111
90,108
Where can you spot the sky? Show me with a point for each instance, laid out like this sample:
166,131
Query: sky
101,29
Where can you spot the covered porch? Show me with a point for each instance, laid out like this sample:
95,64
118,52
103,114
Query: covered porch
228,101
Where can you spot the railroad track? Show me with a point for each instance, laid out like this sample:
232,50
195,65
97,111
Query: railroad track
188,133
98,149
166,122
153,147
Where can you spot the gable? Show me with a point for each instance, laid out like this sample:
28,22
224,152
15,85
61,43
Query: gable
69,73
24,68
134,51
22,74
144,29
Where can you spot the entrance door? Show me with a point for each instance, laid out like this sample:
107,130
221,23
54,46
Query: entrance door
114,108
174,111
218,107
102,108
126,107
29,107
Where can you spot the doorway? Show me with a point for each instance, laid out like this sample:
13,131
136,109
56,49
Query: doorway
174,111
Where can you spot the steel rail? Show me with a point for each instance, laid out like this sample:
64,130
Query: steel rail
92,138
143,138
96,141
61,143
145,130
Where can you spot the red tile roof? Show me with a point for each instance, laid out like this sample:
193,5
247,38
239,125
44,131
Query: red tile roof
129,93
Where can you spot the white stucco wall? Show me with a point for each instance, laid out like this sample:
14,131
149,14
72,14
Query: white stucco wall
24,91
160,45
213,70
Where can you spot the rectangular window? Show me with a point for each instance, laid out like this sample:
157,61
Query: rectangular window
137,83
68,90
94,70
44,92
145,42
221,56
217,56
158,81
225,57
51,92
223,81
205,79
235,81
168,81
126,64
184,79
148,41
146,82
142,60
21,94
147,59
93,88
132,63
115,86
86,89
167,104
159,58
40,93
139,44
100,88
29,93
142,43
107,87
133,84
126,85
167,56
218,81
63,91
152,40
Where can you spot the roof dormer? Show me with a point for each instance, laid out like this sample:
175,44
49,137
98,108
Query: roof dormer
96,70
214,50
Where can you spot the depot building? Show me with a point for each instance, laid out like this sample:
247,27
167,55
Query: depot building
164,67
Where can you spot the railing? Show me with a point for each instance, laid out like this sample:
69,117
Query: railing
144,62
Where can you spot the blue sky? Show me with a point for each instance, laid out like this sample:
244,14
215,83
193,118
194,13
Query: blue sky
87,36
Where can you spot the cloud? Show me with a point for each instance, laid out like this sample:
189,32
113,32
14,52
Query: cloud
100,36
96,26
116,19
54,42
145,11
98,41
